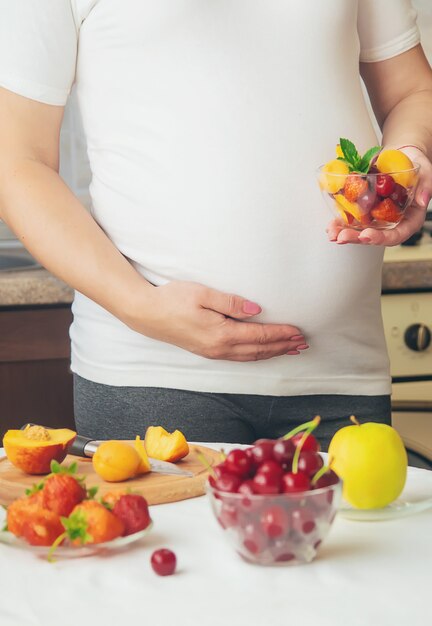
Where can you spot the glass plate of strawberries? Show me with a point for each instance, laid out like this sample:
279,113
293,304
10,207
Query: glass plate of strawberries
60,517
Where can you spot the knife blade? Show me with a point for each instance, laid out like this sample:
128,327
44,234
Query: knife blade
86,447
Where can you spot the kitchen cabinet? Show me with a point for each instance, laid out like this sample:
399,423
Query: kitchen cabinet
35,376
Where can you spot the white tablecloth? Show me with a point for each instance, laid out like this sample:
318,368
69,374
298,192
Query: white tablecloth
366,574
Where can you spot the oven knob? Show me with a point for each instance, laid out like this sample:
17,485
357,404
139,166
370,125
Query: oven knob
417,337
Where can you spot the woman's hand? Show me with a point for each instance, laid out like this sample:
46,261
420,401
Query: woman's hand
413,218
211,323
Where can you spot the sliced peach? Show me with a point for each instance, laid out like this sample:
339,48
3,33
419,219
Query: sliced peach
33,449
144,465
165,446
349,207
398,165
333,176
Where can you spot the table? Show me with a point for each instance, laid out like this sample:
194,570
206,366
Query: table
366,574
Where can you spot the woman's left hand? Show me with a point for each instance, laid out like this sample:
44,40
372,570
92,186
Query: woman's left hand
413,218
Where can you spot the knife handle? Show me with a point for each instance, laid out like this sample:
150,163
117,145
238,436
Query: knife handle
80,446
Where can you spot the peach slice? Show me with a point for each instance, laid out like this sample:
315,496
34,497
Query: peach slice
33,449
165,446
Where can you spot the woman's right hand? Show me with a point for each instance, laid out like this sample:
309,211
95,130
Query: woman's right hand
210,323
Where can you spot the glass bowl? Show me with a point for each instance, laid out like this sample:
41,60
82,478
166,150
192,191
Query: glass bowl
279,529
373,200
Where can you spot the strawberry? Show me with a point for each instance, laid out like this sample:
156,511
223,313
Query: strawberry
90,522
61,493
111,497
386,211
354,187
42,528
21,510
133,511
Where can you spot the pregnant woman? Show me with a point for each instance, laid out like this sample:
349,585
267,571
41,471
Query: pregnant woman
208,295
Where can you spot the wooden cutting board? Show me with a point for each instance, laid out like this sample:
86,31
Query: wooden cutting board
156,488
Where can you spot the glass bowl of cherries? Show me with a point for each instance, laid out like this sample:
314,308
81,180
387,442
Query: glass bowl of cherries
276,500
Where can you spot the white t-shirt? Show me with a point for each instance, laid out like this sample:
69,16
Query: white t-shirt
205,122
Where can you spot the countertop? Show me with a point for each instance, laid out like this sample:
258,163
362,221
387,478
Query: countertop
404,268
365,573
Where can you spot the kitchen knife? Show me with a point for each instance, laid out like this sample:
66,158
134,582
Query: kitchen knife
85,447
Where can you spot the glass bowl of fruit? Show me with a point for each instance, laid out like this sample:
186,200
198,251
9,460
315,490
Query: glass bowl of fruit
275,500
369,191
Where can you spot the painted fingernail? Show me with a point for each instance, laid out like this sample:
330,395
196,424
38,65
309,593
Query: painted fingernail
296,338
303,346
251,308
365,239
293,352
425,198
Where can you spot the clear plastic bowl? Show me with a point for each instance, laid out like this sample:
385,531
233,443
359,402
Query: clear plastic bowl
373,200
280,529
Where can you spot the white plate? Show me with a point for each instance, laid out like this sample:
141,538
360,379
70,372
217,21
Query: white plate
69,552
415,498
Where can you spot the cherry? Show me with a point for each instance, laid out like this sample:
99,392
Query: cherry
267,483
295,483
384,185
247,489
250,456
227,482
163,562
262,450
310,444
283,451
310,463
253,539
399,195
238,462
302,520
367,201
270,467
228,516
327,479
275,521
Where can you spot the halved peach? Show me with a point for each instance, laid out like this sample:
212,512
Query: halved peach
33,449
165,446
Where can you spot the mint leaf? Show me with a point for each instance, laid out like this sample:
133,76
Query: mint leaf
350,153
366,159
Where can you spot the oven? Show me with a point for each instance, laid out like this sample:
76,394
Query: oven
407,317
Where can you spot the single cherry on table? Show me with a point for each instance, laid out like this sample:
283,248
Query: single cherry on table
163,562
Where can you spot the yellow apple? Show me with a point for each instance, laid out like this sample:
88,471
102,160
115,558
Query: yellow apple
372,461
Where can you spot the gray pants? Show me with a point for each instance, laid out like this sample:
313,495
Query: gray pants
106,412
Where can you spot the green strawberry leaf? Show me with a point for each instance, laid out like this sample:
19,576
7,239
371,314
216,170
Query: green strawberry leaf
76,527
91,492
70,470
35,488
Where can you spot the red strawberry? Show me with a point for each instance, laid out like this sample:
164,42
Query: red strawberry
133,511
354,187
61,493
21,510
90,522
386,211
42,528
